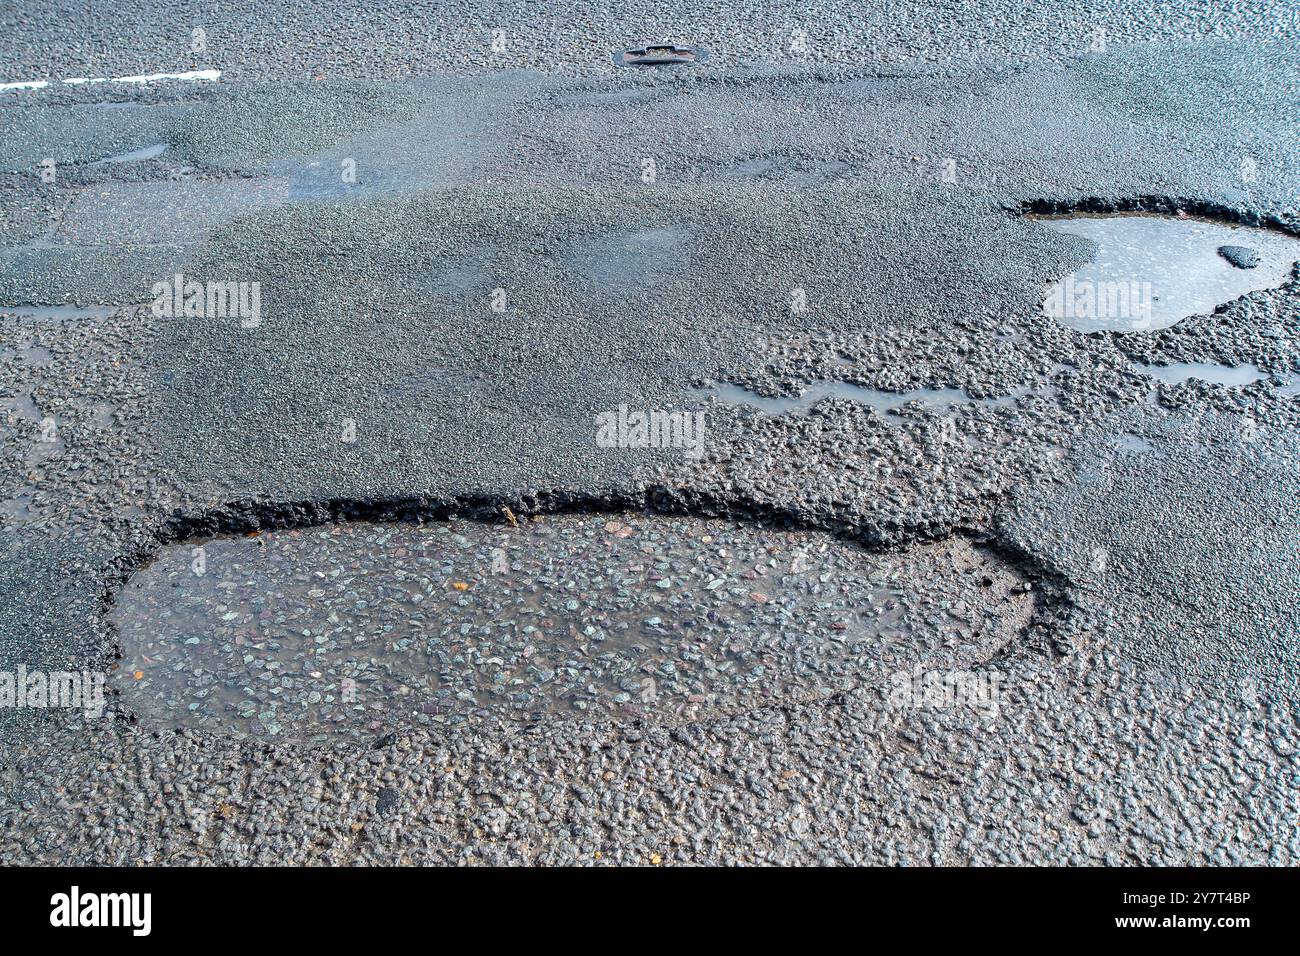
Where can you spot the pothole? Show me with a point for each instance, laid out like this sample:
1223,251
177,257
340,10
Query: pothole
345,630
1150,271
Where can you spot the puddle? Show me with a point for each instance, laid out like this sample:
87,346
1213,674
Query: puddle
939,399
323,180
469,274
432,150
1133,444
613,98
820,172
15,511
800,172
60,313
1150,272
139,155
1215,373
20,408
28,354
348,629
752,167
102,415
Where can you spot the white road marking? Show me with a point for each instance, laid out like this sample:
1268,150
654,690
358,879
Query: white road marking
200,75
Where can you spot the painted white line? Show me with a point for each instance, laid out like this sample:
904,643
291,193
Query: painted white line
155,77
200,75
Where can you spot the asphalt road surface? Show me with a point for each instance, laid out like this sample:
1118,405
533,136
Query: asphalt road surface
453,253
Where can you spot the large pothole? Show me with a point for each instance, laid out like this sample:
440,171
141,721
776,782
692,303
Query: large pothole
349,629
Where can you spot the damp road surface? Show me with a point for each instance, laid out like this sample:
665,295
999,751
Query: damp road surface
860,440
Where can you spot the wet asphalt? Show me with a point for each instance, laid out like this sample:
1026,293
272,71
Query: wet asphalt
1150,715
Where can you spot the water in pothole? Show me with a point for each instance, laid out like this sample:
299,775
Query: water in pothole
1133,444
1216,373
59,313
138,155
349,629
1149,272
939,399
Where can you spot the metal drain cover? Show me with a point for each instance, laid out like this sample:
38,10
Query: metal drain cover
660,54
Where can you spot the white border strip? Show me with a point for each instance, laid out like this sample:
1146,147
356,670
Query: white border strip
201,75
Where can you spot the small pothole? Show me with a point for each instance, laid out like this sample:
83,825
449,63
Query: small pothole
1151,271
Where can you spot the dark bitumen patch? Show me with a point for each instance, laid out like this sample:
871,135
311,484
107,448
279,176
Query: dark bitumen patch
388,800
